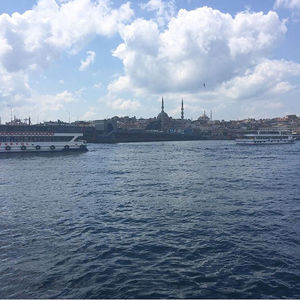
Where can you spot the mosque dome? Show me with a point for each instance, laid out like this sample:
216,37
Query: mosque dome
162,115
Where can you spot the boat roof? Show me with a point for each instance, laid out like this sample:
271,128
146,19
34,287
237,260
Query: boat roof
42,128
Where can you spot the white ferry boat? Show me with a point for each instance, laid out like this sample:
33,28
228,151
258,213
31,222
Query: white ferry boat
266,138
40,138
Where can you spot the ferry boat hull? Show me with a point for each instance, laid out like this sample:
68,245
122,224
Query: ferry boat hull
38,148
262,142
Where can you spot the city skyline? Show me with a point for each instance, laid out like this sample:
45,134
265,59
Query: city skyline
84,59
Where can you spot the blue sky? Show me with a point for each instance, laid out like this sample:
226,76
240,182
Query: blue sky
91,59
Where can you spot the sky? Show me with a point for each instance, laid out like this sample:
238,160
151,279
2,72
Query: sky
95,59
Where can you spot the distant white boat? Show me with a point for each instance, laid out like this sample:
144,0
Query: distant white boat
263,137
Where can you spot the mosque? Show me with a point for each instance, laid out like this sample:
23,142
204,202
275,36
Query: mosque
164,122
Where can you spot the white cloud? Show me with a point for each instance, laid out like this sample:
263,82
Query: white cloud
88,61
228,53
254,109
13,85
203,46
38,36
29,42
165,10
121,104
120,85
46,103
37,104
90,114
289,4
98,85
265,80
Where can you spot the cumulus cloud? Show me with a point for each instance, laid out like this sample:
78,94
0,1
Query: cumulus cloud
39,35
266,79
90,113
254,109
171,54
32,40
88,61
98,85
121,104
36,104
289,4
164,10
12,85
204,46
51,102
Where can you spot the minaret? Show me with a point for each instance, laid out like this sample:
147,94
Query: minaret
162,119
211,115
182,111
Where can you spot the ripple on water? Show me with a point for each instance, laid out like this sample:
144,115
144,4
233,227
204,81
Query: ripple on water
202,219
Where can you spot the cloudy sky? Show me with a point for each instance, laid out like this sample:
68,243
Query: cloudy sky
94,59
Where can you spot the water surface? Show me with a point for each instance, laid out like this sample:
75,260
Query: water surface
201,219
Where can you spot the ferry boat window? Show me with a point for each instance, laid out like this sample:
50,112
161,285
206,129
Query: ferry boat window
65,138
18,139
60,138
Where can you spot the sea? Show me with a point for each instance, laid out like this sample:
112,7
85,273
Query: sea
193,219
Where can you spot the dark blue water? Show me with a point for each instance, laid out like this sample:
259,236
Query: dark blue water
205,219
